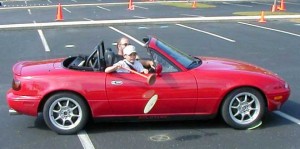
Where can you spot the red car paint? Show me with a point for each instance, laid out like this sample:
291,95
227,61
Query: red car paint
197,91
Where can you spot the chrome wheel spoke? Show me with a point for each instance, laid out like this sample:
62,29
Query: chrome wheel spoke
245,98
243,116
236,114
237,98
57,118
67,104
58,103
56,111
72,109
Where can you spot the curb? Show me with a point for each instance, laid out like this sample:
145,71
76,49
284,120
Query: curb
142,21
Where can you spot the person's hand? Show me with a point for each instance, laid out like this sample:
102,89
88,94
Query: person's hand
145,71
151,63
118,66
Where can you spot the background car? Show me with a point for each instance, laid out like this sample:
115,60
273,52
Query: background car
68,91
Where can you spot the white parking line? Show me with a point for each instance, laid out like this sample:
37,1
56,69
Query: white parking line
141,7
276,30
144,21
103,8
44,41
212,34
140,17
191,15
67,10
85,140
130,37
286,116
261,3
88,19
29,11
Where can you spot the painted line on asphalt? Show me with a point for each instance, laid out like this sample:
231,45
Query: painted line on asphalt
130,37
79,5
141,7
236,4
191,15
44,41
212,34
29,11
288,117
85,140
88,19
103,8
262,3
141,21
266,28
140,17
69,11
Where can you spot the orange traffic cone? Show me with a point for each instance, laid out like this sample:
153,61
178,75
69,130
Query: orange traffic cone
59,13
282,6
262,17
273,8
194,4
130,5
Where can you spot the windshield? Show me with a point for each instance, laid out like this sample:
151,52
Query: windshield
186,60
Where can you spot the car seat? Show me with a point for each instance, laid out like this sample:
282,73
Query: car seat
109,57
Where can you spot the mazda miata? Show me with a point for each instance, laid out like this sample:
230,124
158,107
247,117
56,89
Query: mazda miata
70,91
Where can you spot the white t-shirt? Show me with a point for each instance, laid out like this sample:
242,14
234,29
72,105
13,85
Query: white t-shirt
136,65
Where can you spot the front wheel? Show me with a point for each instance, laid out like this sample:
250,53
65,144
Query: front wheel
243,108
65,113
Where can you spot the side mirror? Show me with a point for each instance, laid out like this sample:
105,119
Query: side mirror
158,69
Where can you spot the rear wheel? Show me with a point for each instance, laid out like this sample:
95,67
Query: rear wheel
243,108
65,113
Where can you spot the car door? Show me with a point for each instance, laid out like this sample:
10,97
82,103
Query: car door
128,94
125,93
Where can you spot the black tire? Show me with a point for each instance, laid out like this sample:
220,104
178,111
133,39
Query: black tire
243,108
65,113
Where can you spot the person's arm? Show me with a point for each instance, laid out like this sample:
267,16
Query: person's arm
147,63
112,68
141,68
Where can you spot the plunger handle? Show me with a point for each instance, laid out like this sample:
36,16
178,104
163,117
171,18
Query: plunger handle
150,79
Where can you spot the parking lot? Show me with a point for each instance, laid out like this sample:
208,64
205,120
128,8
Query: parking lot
273,45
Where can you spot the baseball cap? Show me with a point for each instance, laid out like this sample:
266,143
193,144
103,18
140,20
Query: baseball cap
129,49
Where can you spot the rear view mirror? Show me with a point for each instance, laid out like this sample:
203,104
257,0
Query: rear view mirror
158,69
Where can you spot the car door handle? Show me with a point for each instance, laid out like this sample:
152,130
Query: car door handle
116,82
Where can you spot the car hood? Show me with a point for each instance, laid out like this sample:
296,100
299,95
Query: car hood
214,63
36,67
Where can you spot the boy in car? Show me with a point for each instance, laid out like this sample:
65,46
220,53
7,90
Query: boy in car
121,44
129,62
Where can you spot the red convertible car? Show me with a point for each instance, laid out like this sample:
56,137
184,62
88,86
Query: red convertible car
69,91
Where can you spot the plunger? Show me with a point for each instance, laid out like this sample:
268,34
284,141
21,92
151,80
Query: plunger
150,79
